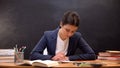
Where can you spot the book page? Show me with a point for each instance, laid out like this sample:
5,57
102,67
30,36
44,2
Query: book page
45,63
42,63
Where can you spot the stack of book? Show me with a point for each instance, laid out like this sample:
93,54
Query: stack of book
6,55
109,55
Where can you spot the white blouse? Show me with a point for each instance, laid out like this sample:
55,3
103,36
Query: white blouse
62,45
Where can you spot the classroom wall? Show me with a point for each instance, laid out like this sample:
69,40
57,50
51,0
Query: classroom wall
23,22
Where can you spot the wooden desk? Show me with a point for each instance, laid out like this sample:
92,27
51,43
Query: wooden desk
106,64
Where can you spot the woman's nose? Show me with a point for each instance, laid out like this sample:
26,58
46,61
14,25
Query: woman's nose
69,34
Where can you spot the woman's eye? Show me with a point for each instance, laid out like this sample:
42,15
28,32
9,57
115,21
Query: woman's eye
67,30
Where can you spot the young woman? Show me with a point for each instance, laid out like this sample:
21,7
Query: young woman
62,42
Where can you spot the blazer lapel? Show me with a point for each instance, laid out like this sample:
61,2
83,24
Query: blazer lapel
54,40
69,46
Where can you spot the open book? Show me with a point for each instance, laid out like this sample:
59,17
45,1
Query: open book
42,63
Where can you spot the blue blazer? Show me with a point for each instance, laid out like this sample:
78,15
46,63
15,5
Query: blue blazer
48,41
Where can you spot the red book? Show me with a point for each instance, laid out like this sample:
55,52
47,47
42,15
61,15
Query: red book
109,55
108,58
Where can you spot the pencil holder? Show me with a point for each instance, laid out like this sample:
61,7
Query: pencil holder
19,57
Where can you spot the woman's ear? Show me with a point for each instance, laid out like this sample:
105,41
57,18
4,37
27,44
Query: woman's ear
61,24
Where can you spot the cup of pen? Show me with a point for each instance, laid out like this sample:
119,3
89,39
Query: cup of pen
19,57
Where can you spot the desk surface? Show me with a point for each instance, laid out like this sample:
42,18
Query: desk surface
106,64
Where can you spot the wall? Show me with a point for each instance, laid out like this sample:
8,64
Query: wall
23,22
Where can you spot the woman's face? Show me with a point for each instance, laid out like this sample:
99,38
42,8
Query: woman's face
67,31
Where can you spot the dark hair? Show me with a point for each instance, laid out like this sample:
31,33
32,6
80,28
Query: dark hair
71,17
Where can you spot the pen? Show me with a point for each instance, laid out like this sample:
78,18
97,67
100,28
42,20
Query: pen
23,48
16,49
20,49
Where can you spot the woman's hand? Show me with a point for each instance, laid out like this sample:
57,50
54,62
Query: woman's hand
60,57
